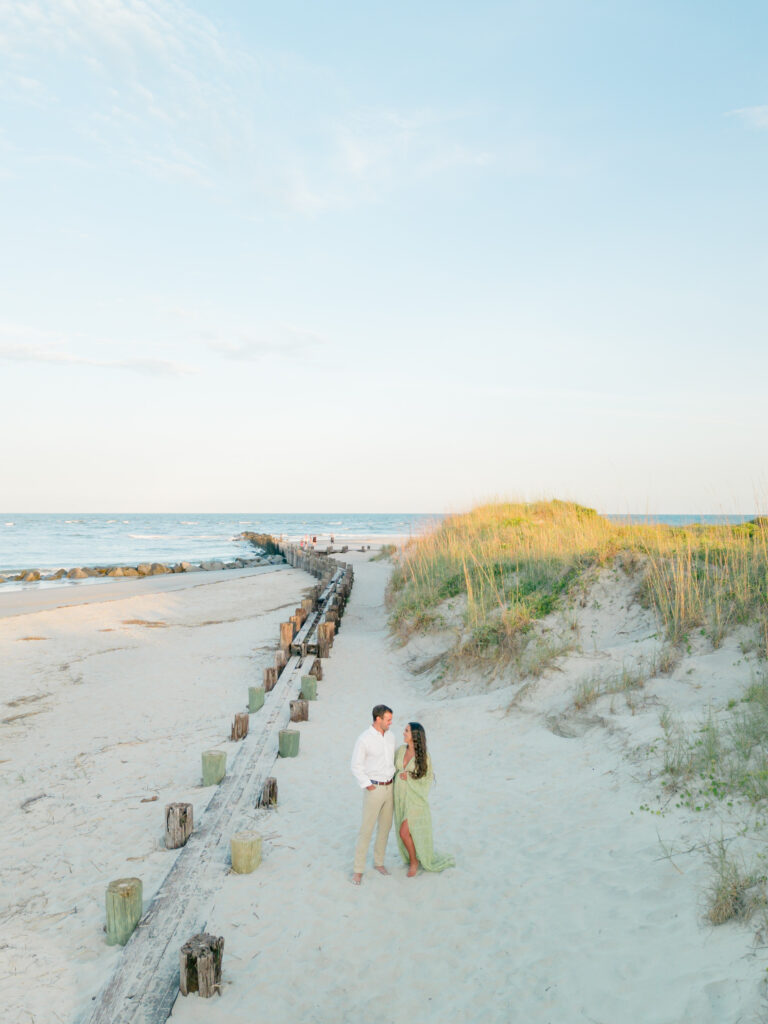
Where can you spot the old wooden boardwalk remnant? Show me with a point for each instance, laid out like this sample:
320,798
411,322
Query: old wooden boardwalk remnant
145,984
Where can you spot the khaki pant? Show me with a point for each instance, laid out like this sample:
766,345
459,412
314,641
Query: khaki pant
378,806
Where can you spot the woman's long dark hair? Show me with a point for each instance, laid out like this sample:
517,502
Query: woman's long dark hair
419,738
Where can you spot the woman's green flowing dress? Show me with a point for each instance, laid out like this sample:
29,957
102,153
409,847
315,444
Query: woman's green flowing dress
411,803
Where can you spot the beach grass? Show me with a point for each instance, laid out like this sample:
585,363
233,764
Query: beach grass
384,553
514,564
736,891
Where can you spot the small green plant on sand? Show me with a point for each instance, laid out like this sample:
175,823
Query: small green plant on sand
628,678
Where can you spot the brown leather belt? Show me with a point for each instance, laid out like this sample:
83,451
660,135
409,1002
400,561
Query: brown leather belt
375,783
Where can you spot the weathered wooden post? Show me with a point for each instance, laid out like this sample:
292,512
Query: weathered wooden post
307,604
299,710
268,795
325,633
178,825
270,679
317,669
214,766
323,647
288,740
255,698
281,660
308,688
287,633
124,903
296,620
200,969
245,850
240,726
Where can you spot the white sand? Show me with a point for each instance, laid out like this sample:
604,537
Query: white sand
562,907
116,712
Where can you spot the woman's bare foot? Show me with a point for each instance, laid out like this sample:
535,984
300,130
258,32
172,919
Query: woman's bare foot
356,879
382,870
413,869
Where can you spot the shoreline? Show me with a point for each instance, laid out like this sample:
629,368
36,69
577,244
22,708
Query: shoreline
47,578
26,599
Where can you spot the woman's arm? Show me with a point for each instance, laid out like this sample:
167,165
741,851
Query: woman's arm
420,787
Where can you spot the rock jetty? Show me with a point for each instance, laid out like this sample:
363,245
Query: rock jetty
271,557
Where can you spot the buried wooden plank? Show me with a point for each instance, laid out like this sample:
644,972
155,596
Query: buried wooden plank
146,982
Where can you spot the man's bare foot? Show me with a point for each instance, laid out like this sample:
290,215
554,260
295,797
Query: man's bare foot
356,879
382,870
413,870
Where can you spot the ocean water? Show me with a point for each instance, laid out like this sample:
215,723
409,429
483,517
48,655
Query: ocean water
50,542
53,541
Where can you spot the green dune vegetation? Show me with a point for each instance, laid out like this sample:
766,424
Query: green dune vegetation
516,563
504,580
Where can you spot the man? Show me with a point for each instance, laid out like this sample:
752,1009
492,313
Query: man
373,765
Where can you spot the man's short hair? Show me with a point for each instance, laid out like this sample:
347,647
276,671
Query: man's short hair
380,710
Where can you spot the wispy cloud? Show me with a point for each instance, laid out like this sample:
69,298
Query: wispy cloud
754,117
369,152
155,86
92,62
44,347
283,341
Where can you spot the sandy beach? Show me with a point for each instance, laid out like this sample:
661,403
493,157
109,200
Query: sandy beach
563,906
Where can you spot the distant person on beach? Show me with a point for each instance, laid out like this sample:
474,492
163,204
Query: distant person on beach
373,765
413,780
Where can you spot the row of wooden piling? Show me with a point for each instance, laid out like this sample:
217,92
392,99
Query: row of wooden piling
308,630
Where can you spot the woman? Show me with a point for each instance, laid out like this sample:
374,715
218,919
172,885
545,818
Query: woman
413,778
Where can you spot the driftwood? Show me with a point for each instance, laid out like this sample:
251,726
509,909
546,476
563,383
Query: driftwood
124,903
32,800
299,710
200,969
268,795
178,825
240,726
245,851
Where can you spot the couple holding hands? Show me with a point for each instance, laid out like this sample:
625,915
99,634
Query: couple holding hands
395,782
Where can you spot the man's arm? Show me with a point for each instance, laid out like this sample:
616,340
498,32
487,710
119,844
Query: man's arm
358,764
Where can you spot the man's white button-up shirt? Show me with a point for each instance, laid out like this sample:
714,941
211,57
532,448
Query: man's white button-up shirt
373,759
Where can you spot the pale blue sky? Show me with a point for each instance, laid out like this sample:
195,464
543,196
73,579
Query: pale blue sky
356,256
